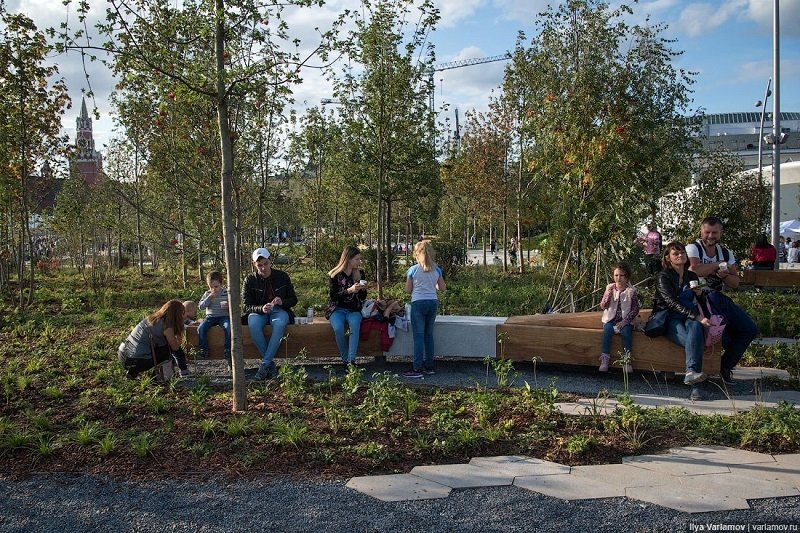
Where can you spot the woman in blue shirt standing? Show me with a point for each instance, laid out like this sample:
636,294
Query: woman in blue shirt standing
422,281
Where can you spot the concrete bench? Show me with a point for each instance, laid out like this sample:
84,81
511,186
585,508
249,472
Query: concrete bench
574,338
455,336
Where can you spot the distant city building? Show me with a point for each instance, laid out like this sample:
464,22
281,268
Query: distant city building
88,160
739,133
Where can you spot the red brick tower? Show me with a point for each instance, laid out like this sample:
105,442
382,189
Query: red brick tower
88,160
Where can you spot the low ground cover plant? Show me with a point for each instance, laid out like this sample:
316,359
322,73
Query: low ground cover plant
66,405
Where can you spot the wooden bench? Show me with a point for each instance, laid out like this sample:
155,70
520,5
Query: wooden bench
771,279
574,338
314,340
566,338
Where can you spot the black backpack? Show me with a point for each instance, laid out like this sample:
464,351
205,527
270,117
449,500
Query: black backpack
713,281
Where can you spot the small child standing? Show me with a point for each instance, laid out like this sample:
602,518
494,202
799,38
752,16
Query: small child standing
215,302
620,305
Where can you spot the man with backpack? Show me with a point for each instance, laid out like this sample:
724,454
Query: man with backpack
717,264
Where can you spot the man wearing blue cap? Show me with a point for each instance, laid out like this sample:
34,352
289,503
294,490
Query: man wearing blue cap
268,297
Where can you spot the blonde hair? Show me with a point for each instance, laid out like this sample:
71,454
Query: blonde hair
424,254
348,253
172,313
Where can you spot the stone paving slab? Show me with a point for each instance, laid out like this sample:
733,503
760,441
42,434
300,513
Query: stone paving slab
776,472
687,501
586,406
463,476
692,479
519,465
675,465
726,406
742,485
568,487
398,487
722,455
749,373
788,459
626,476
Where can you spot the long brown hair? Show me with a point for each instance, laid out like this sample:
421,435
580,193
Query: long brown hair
424,254
172,314
348,253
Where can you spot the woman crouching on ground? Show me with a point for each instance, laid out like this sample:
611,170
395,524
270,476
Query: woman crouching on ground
685,324
162,331
347,293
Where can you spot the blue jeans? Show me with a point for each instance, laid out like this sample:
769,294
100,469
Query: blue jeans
739,333
608,333
689,334
209,322
340,317
423,316
278,319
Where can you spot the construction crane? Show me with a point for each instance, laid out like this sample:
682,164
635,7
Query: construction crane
458,64
462,63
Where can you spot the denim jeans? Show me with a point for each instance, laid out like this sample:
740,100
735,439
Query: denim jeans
423,316
209,322
689,334
608,333
278,319
347,348
739,333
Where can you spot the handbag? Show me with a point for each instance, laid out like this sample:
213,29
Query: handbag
656,325
329,311
164,372
715,331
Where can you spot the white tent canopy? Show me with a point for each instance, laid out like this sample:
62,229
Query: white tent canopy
790,228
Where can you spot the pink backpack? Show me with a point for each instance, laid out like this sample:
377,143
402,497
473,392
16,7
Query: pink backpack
717,328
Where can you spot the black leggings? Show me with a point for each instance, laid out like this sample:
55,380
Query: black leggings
136,365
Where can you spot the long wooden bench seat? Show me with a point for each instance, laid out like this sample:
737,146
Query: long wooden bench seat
314,340
574,338
772,279
567,338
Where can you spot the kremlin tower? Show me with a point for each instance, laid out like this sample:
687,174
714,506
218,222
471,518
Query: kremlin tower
87,159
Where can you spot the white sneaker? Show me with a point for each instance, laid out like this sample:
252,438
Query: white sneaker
693,377
605,359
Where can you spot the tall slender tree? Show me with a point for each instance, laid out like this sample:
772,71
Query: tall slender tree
388,133
32,101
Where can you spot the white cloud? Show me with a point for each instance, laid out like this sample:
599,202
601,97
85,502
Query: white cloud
697,19
760,11
524,11
762,70
454,11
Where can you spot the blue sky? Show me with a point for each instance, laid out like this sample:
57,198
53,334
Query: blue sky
728,42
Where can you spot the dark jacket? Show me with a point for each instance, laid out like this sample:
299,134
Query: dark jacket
667,292
258,291
339,296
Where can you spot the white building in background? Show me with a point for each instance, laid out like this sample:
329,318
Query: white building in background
739,133
790,188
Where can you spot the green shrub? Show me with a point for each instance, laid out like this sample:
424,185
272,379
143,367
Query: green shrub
451,257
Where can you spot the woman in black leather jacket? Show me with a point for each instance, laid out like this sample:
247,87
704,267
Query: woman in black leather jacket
685,324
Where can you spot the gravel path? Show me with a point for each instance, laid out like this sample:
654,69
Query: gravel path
83,503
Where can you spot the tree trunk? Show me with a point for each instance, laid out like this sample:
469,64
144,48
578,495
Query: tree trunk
228,229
